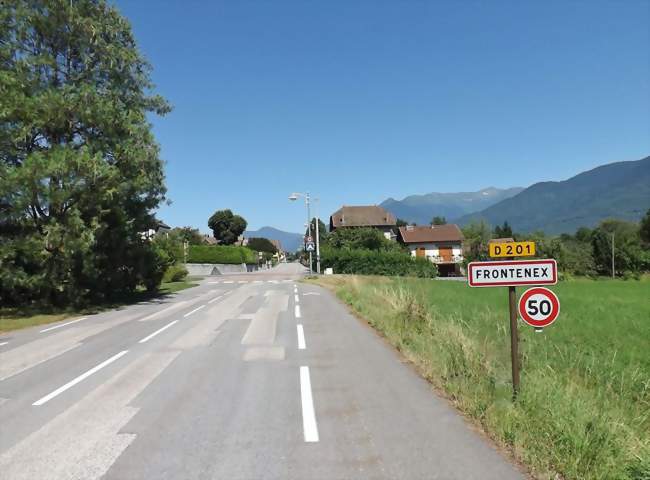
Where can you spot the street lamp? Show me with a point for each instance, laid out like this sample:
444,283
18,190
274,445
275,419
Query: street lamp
293,197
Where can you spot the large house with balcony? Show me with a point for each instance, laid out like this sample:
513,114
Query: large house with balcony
371,216
440,244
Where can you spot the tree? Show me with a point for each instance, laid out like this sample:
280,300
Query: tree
438,221
361,238
401,223
644,229
226,227
477,235
80,173
503,232
260,244
628,253
187,234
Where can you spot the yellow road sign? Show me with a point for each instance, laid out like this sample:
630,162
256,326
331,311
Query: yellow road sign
512,249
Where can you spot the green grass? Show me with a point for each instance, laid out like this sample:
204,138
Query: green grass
15,318
584,407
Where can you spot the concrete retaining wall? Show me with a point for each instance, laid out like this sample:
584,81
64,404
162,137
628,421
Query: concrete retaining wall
205,269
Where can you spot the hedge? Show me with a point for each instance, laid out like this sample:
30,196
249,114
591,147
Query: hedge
371,262
220,254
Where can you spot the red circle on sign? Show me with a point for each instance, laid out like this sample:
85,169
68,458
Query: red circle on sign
539,319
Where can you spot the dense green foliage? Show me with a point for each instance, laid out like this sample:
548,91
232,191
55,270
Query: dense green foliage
221,254
438,220
582,412
261,245
368,262
175,273
504,231
362,238
187,234
226,226
80,173
587,252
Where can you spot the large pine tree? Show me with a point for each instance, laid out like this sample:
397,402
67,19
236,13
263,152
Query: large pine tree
80,172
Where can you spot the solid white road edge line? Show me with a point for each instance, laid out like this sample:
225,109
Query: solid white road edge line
301,337
80,378
215,299
193,311
308,416
63,325
297,311
149,337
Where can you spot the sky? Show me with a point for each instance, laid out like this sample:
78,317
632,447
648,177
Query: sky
358,101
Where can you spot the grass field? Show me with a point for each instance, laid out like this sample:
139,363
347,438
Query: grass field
16,318
584,407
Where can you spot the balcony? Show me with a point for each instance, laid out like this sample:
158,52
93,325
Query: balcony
453,259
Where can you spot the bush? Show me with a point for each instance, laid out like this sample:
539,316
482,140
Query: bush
220,254
175,273
368,262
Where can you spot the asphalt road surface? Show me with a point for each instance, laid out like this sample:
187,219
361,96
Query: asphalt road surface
248,376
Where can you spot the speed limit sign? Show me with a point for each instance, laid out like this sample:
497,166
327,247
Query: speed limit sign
539,307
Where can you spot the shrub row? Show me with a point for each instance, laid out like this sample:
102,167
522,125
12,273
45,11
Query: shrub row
220,254
369,262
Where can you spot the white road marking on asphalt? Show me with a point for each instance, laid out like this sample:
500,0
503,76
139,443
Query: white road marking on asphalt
257,281
214,283
215,299
63,325
80,378
3,343
310,293
308,416
229,281
149,337
296,298
301,337
171,307
193,311
297,311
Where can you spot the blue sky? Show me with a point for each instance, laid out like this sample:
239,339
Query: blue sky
358,101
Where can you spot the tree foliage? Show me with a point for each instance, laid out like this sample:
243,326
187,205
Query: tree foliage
322,231
80,173
226,226
438,220
187,234
504,231
259,244
361,238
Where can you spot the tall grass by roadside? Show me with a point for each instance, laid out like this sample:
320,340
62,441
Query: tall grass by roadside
584,407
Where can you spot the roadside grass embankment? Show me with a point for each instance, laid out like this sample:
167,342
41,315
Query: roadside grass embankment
19,318
584,407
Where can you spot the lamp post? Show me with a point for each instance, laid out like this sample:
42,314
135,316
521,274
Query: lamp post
294,196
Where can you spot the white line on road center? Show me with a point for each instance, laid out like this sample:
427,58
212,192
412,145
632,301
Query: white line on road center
295,297
3,343
149,337
308,416
297,311
228,281
301,337
63,325
80,378
215,299
193,311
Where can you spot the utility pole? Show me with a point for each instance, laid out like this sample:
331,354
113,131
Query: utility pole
311,264
317,242
613,266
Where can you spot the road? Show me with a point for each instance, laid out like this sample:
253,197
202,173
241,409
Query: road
249,376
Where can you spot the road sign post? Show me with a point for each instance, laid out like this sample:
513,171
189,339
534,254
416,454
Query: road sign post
512,273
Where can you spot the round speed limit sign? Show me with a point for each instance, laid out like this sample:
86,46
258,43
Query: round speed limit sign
539,307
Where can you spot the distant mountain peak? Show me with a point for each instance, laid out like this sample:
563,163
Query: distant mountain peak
422,208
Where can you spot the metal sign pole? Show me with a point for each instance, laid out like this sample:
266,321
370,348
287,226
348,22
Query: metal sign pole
514,341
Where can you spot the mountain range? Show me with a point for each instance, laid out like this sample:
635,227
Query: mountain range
290,241
620,190
420,209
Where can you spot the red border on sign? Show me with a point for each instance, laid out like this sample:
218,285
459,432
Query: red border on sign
512,283
555,302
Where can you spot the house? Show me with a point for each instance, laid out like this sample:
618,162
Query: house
158,228
441,244
209,240
364,216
